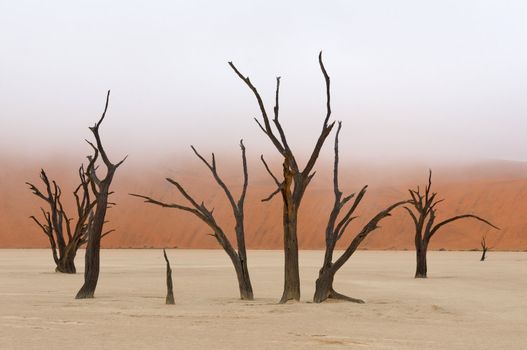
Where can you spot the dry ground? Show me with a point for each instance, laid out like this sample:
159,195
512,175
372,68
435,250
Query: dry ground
465,304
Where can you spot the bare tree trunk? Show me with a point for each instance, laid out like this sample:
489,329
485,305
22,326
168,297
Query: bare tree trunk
291,202
91,271
92,257
244,281
242,271
170,292
66,263
324,282
291,268
66,266
421,269
323,285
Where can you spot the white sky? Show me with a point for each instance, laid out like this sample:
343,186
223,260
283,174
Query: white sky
410,79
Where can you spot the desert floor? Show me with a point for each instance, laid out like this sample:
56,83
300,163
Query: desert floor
464,304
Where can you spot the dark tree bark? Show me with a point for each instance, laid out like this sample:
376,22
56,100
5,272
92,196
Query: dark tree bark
101,189
424,220
239,256
484,248
170,292
336,228
295,180
65,238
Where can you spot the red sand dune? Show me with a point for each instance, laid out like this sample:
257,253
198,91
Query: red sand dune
495,190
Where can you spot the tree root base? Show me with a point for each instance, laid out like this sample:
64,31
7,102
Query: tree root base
338,296
285,299
332,294
83,295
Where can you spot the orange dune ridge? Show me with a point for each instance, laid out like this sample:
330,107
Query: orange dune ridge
496,190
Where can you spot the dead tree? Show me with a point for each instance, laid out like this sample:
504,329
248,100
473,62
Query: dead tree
424,218
484,248
336,228
101,190
295,180
239,256
170,293
64,237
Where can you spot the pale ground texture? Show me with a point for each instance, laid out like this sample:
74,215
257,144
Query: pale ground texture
464,304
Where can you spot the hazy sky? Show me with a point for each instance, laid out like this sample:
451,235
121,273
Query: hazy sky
445,79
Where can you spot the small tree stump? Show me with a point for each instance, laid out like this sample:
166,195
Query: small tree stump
170,292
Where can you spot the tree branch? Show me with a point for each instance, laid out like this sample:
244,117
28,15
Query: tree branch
459,217
326,129
268,130
219,181
241,200
169,205
369,227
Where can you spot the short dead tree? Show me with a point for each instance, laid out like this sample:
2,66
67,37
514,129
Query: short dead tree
423,214
170,290
239,256
336,228
65,235
484,248
295,180
101,190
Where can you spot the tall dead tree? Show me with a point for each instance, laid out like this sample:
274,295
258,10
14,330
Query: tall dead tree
170,290
65,236
239,256
423,216
101,190
484,248
335,229
295,180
